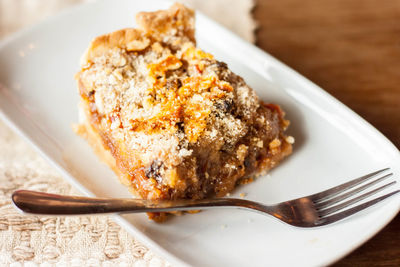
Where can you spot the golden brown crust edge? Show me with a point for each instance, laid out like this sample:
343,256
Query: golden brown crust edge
177,17
158,25
121,38
86,130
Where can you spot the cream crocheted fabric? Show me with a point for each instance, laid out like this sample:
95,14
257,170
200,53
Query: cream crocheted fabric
79,240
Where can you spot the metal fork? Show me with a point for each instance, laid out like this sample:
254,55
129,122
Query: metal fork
315,210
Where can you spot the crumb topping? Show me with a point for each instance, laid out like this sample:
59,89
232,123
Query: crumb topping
177,120
160,90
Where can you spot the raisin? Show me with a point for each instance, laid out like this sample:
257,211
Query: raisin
224,106
153,171
247,162
178,83
221,65
181,126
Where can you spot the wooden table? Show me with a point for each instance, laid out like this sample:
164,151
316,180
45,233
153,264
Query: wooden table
351,48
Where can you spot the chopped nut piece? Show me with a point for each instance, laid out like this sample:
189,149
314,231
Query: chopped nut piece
138,45
260,143
290,139
275,143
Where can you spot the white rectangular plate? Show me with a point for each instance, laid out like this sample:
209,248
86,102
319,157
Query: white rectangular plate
38,98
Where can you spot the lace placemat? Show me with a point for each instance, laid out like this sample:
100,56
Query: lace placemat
79,240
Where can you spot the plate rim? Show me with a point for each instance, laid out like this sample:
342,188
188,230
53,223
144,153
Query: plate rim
244,45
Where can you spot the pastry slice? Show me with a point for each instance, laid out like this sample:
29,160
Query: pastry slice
171,120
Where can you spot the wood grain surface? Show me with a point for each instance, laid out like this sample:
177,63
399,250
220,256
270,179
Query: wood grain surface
351,48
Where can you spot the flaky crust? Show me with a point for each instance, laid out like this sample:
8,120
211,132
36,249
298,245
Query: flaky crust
122,38
162,25
177,20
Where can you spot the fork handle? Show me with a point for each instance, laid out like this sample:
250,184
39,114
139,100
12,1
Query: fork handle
52,204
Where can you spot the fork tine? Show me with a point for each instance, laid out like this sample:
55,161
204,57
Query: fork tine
341,215
338,207
330,202
343,187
